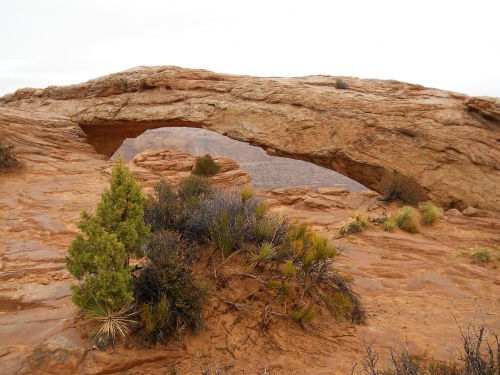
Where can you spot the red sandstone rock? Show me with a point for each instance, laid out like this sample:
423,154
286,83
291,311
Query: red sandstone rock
447,141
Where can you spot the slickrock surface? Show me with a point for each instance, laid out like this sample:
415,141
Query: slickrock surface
448,141
410,284
152,165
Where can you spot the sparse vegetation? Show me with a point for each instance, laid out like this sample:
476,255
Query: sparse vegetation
430,213
480,255
340,84
390,223
480,356
407,219
205,166
395,186
8,160
292,264
358,223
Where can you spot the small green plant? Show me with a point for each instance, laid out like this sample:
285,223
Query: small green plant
340,305
407,219
156,315
246,193
303,315
358,223
430,213
395,186
205,166
390,223
340,84
481,255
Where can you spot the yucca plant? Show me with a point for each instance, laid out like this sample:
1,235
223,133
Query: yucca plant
114,322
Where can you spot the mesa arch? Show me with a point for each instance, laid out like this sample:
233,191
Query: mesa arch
449,142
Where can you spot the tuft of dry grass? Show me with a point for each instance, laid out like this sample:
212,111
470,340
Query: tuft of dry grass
358,223
390,224
480,255
430,213
407,219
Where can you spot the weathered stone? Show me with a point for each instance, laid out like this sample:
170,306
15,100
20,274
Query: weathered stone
371,129
474,212
333,191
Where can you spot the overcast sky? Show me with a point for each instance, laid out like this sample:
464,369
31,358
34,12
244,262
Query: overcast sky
452,45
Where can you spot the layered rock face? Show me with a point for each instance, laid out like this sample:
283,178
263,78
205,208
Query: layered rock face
152,165
447,141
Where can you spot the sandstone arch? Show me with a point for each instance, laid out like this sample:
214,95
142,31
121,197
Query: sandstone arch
448,141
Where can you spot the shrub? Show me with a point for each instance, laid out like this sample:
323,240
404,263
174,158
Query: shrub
340,84
358,223
430,213
205,166
304,315
100,256
395,186
169,276
167,209
481,255
390,223
224,219
8,160
121,210
407,219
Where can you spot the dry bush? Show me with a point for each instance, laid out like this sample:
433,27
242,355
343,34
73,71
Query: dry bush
358,223
480,255
480,356
407,219
395,186
390,223
205,166
340,84
430,213
168,286
169,209
8,159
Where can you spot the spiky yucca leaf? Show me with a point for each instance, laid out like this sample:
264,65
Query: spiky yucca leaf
115,322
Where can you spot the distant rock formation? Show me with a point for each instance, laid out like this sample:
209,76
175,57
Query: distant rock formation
449,142
152,165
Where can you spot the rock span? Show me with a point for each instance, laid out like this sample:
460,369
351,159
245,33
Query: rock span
449,142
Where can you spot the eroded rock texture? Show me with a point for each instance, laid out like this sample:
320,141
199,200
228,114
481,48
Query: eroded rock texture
448,141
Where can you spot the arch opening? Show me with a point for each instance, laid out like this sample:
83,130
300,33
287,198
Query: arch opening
268,172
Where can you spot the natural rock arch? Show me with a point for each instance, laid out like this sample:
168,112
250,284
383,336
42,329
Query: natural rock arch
449,142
